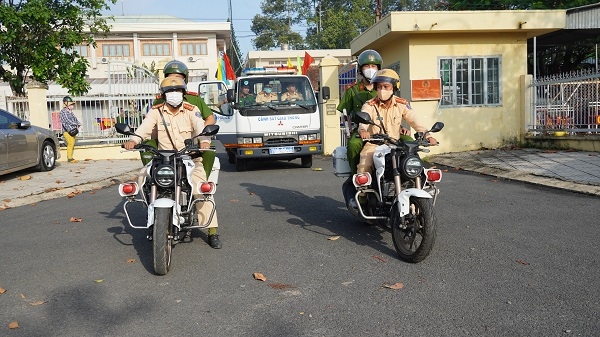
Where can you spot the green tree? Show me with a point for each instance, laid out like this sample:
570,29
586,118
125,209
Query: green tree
274,27
37,40
233,52
336,22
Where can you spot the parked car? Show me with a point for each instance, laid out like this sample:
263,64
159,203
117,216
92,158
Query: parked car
23,145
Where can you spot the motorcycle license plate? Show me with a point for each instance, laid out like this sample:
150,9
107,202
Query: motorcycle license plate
281,150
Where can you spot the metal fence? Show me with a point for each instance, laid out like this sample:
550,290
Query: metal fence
124,97
566,102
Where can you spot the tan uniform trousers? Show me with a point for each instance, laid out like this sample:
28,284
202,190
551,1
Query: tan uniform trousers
202,208
366,158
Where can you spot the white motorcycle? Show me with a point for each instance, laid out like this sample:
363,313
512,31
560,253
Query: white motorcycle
399,192
167,192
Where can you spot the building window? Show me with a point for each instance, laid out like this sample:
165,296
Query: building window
193,48
156,49
115,50
81,50
470,81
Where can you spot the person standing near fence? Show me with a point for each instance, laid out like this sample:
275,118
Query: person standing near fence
70,126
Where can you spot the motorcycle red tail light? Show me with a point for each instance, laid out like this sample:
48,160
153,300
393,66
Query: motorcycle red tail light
207,187
362,179
126,189
434,175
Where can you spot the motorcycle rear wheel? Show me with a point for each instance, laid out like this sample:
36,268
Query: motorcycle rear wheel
162,240
414,243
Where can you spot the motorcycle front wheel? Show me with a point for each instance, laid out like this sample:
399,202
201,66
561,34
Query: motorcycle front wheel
162,240
414,238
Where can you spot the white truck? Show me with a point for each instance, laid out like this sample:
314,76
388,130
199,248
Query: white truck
276,129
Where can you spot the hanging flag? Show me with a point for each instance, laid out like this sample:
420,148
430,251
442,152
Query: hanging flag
219,69
229,73
298,63
223,72
308,60
289,65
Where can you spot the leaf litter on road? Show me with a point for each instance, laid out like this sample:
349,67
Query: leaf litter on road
395,286
259,277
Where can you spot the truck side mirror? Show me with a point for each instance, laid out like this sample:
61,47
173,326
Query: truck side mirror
325,93
230,95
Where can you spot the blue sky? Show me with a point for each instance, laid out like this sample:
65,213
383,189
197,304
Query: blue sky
199,10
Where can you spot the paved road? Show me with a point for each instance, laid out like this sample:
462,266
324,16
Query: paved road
511,259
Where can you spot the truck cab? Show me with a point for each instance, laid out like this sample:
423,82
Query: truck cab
266,114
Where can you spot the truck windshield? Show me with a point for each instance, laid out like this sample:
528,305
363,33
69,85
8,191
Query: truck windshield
284,95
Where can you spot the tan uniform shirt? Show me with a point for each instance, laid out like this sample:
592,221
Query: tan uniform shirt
391,117
182,125
291,96
263,97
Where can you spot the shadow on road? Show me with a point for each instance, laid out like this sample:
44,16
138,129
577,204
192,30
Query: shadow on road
320,212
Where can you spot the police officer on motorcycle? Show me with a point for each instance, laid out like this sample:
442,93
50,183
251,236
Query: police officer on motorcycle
176,121
387,111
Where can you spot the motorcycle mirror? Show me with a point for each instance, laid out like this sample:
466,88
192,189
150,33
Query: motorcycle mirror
210,130
437,127
363,117
123,129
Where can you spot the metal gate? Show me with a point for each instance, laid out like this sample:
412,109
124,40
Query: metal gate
566,102
124,96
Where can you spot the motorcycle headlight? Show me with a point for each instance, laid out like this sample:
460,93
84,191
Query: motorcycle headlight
411,167
164,176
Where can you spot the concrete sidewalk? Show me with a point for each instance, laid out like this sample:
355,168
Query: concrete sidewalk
30,186
576,171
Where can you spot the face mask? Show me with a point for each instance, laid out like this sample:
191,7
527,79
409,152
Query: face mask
268,90
369,73
174,98
384,95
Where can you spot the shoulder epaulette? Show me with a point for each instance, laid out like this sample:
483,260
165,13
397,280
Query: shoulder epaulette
159,105
401,100
188,106
192,93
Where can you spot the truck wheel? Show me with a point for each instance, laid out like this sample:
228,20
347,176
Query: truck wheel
241,164
231,156
306,161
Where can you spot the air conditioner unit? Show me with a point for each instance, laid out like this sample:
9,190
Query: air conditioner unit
104,60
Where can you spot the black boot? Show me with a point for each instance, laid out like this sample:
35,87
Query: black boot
214,242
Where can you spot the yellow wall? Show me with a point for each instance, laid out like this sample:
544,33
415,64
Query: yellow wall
418,39
466,128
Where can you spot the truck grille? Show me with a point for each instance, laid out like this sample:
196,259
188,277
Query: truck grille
281,141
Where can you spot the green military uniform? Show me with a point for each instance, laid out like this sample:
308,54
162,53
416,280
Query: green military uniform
247,100
208,157
354,98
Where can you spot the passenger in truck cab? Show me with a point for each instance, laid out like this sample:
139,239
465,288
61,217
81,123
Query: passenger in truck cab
267,95
246,98
291,94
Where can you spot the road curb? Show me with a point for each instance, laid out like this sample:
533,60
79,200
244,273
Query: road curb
69,190
517,175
